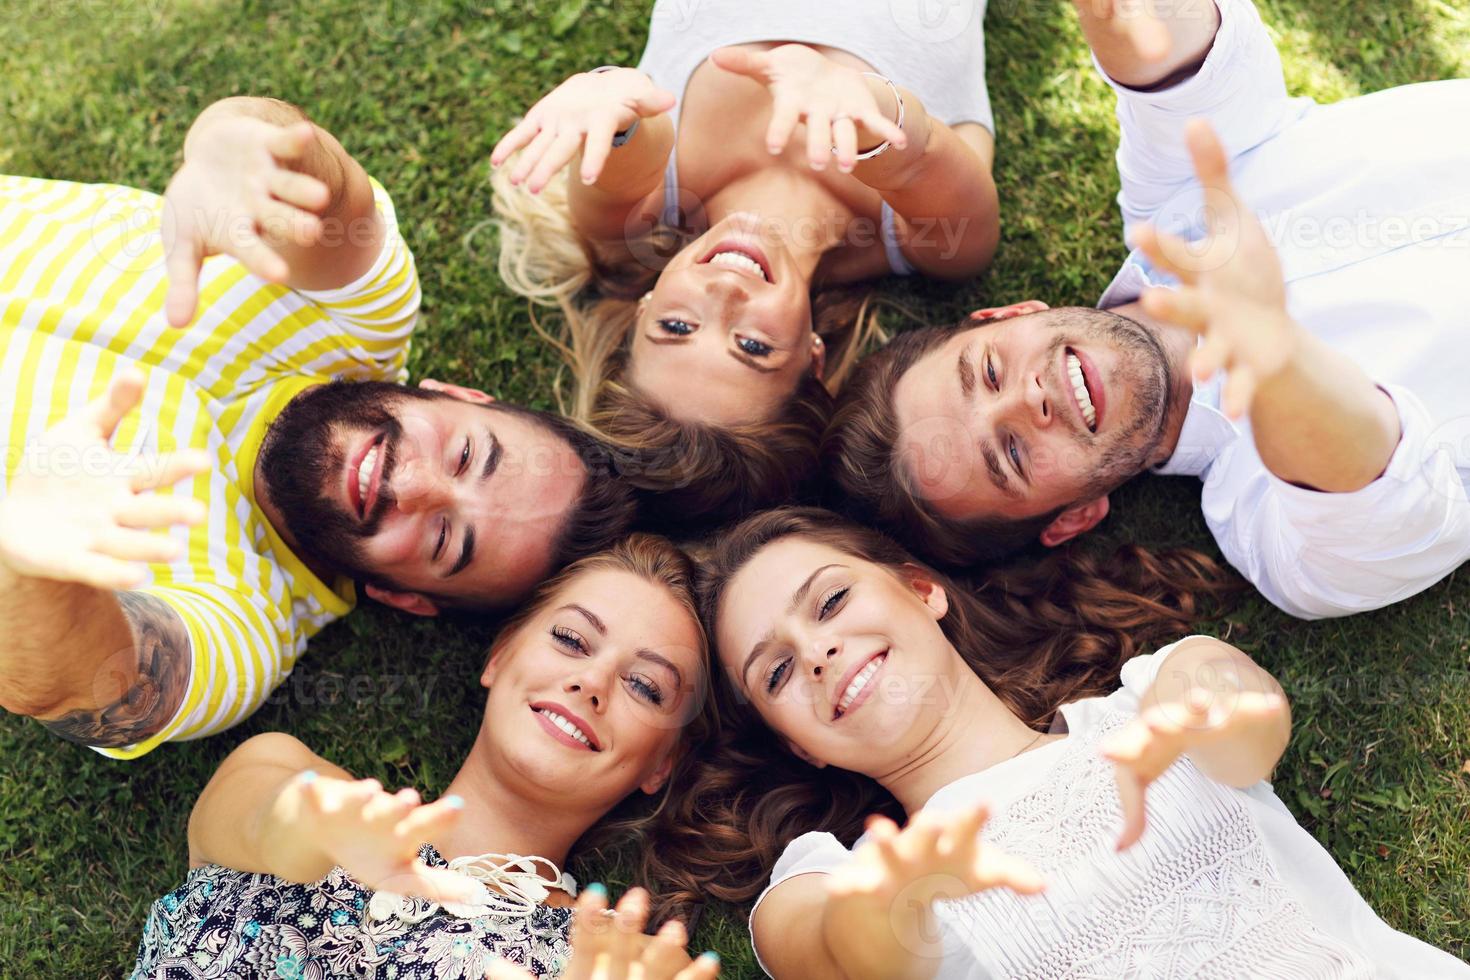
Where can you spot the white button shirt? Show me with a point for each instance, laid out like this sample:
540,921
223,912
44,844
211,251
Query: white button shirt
1368,203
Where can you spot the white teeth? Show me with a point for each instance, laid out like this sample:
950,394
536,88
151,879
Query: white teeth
859,682
364,474
566,726
739,262
1079,387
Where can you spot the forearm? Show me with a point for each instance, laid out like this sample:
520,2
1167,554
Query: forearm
1322,423
352,230
1191,25
633,170
879,944
943,191
59,637
250,818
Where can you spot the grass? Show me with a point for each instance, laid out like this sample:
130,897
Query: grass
1379,768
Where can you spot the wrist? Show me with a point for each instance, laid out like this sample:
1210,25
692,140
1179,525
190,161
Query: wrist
289,835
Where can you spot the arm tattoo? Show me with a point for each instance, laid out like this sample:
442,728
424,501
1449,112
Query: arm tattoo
161,648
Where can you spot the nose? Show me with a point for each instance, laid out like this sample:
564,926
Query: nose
822,651
417,488
1038,404
589,683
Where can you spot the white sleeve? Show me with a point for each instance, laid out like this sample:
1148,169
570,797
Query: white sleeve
1316,555
1239,89
811,853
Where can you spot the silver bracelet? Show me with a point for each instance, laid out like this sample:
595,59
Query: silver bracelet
622,136
875,151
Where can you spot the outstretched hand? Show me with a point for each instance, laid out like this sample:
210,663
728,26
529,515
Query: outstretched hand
834,101
77,511
237,195
1232,292
583,113
1148,745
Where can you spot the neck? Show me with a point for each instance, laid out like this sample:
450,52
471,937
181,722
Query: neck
976,731
498,820
808,219
1178,344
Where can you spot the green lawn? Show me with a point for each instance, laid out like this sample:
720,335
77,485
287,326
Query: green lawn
1379,768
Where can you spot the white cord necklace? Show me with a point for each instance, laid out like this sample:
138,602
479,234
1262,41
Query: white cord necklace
519,889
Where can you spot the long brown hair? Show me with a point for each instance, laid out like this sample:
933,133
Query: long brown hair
661,563
1038,637
689,473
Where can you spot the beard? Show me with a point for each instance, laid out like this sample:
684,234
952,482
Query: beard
1145,371
303,459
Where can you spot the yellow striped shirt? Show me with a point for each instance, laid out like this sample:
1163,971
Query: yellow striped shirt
81,293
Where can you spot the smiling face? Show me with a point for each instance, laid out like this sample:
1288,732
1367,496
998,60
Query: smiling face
431,493
841,657
1019,417
726,333
589,696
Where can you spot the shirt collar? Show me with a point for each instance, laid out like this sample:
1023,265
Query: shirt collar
1205,433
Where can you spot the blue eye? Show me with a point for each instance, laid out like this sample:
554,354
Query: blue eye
754,347
646,690
1015,455
990,372
679,328
568,638
464,457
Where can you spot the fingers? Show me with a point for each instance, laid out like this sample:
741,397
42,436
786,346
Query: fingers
521,134
664,955
1239,391
506,970
298,190
183,263
435,884
818,139
785,114
291,142
742,61
101,572
844,141
1210,162
532,155
557,155
123,394
875,122
654,101
997,869
1183,306
1130,795
1167,252
424,822
598,145
706,966
143,546
287,224
168,469
255,255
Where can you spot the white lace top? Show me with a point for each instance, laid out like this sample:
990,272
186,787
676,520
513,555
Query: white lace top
1224,883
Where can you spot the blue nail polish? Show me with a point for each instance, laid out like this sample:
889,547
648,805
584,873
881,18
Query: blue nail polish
597,889
309,776
455,802
710,955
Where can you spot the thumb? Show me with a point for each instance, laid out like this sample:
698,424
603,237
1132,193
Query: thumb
742,61
653,102
123,393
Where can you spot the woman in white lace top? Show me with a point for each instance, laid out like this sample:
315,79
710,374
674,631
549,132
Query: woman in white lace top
1053,831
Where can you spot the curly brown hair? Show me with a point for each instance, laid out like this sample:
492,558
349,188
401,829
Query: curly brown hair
1038,636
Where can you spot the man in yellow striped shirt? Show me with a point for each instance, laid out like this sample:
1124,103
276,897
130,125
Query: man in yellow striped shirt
224,364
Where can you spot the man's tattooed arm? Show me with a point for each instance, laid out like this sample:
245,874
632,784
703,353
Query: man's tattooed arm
157,678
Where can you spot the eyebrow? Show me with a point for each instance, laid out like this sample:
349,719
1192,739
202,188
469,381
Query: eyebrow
467,548
492,458
769,638
589,615
996,472
666,663
967,373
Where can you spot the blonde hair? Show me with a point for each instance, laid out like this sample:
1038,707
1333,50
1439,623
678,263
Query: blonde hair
700,472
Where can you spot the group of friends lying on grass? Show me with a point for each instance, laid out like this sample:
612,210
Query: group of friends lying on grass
915,761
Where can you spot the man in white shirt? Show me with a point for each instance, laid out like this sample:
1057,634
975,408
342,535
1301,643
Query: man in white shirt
1318,388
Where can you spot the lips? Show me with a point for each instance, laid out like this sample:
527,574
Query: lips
566,727
742,257
364,475
1092,386
858,685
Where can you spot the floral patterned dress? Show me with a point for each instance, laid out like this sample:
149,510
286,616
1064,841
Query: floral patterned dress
223,923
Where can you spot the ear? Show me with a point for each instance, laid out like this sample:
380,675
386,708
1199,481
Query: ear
409,602
1075,520
1006,312
922,582
819,356
457,391
492,668
802,754
659,776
